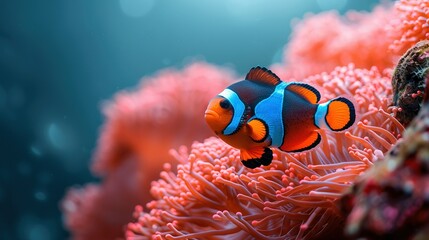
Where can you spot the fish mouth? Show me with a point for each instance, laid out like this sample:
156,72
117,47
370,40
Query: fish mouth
211,115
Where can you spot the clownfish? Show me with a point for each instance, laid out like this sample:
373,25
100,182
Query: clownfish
263,111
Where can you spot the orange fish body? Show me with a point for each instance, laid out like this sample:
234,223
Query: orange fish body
262,112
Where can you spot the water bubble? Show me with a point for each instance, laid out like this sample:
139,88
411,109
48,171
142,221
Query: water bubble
63,141
35,228
136,8
35,151
40,196
57,136
331,4
39,232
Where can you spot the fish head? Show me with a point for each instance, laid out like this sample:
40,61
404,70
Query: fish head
219,114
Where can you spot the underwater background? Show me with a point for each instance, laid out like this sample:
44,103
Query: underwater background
59,60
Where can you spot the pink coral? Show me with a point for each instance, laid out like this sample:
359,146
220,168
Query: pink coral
85,208
324,41
321,42
141,126
213,196
410,26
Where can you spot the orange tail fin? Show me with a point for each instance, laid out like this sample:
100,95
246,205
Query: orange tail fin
340,114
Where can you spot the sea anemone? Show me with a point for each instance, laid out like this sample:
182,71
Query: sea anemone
410,25
141,126
321,42
212,195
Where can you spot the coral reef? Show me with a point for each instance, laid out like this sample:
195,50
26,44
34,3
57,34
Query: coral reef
391,200
141,126
213,196
409,26
408,81
166,108
377,38
358,38
85,208
209,194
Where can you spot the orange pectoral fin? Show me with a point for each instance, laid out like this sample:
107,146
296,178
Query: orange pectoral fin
306,91
257,130
255,157
291,145
341,114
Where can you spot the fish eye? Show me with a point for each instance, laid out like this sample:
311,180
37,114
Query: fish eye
225,104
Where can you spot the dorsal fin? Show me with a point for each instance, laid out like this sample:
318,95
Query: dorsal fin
306,91
262,75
